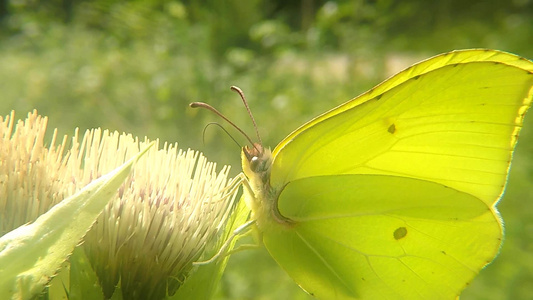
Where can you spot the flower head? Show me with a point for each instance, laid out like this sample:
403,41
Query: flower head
170,209
33,177
167,213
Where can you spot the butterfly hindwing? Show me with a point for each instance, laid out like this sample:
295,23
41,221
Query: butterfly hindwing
382,236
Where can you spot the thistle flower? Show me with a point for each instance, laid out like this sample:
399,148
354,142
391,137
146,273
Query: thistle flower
165,215
33,177
32,254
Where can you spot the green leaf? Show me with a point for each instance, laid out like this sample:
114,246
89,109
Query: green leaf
83,280
33,253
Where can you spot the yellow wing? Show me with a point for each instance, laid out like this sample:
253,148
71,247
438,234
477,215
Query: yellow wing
452,119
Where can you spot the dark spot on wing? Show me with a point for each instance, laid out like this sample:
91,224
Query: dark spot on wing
400,233
379,96
392,128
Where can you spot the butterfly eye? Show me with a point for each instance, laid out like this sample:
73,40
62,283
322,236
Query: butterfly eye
254,163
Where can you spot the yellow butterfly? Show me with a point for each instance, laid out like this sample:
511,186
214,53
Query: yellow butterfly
392,194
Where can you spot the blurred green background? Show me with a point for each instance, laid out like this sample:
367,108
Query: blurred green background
134,66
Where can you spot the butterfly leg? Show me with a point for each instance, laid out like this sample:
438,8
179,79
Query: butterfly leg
239,232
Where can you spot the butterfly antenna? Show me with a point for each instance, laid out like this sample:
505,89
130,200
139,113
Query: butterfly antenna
215,111
220,126
239,91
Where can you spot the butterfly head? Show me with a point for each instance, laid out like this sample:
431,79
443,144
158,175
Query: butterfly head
256,160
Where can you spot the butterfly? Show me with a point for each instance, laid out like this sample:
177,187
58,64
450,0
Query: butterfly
392,195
